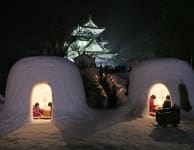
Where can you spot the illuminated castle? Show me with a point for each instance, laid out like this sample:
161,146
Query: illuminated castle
88,42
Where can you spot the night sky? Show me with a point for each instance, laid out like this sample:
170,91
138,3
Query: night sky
24,23
137,29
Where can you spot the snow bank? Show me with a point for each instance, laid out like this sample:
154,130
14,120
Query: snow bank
64,79
168,71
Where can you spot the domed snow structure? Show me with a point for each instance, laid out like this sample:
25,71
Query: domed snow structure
161,77
43,80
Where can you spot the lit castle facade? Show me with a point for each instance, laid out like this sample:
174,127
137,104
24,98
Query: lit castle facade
88,42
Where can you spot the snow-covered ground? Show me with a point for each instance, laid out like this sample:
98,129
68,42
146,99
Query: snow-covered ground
113,129
109,129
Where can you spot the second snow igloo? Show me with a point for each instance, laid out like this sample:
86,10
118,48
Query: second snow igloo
161,77
44,80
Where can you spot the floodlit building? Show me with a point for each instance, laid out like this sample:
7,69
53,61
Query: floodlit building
89,42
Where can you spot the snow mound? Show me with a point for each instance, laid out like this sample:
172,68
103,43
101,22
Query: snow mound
168,71
64,79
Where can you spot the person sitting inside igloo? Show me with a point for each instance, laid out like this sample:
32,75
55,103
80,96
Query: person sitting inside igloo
152,106
37,111
167,103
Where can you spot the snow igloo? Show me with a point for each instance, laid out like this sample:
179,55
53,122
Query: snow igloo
43,80
161,77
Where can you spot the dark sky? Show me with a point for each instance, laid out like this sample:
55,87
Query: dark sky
26,21
23,23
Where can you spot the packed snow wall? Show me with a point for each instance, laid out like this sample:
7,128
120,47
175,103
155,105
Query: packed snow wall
167,71
65,82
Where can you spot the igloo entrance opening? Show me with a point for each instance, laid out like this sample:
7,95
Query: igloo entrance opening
160,91
41,102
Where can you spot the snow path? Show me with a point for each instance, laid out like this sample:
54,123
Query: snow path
108,130
33,136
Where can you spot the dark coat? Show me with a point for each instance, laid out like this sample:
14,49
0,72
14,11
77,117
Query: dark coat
167,104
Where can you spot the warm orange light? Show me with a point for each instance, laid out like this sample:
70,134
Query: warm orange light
42,94
160,91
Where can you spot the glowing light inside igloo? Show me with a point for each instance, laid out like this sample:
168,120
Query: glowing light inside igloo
160,91
42,95
156,97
